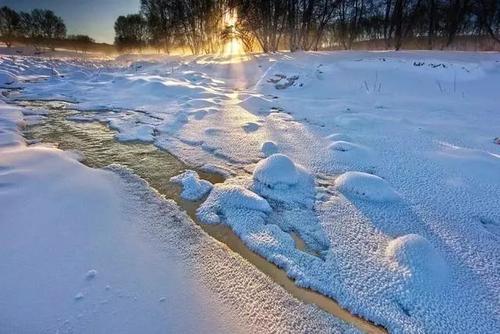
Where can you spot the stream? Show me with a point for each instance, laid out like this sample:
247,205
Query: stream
97,144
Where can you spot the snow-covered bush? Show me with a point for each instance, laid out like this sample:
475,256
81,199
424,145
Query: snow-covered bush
366,186
276,170
279,178
269,148
343,146
415,254
192,187
225,198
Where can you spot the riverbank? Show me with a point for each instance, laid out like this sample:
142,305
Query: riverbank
87,249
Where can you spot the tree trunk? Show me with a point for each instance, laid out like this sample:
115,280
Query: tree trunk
432,18
398,24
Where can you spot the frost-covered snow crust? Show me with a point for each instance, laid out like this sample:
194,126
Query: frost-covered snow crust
93,251
385,164
193,188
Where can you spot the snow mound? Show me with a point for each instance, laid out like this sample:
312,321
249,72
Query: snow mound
343,146
91,274
416,254
269,148
367,186
224,198
279,178
338,137
352,155
193,188
278,169
251,127
6,78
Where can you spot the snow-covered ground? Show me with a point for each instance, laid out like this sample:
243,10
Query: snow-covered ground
96,251
384,163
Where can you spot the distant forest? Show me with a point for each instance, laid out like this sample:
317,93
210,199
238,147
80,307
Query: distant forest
43,28
271,25
202,26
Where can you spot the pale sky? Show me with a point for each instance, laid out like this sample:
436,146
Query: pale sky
95,18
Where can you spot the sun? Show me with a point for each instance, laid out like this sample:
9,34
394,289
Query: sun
233,45
231,18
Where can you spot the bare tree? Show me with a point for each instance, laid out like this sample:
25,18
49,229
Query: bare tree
10,25
131,32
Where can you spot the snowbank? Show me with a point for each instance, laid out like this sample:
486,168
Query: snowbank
82,249
6,78
343,146
10,119
366,186
269,148
279,178
425,265
276,171
225,198
193,188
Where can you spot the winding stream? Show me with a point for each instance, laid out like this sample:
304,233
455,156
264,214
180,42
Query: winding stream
97,143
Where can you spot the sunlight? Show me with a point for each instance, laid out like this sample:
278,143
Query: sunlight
231,18
233,46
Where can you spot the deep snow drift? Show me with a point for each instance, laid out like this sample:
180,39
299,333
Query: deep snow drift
385,164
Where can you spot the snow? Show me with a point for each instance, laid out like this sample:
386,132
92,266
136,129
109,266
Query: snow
6,78
142,133
425,265
58,219
83,249
269,148
91,274
380,146
276,171
226,198
366,186
279,178
193,188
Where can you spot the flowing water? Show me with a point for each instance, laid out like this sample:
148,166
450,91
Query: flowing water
97,144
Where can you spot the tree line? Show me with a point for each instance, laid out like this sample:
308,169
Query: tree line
168,24
39,28
271,25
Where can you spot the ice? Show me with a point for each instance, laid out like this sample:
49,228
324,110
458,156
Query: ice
193,188
142,133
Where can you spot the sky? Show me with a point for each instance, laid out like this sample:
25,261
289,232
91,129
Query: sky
89,17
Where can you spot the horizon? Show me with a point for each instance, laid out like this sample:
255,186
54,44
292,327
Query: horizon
80,16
